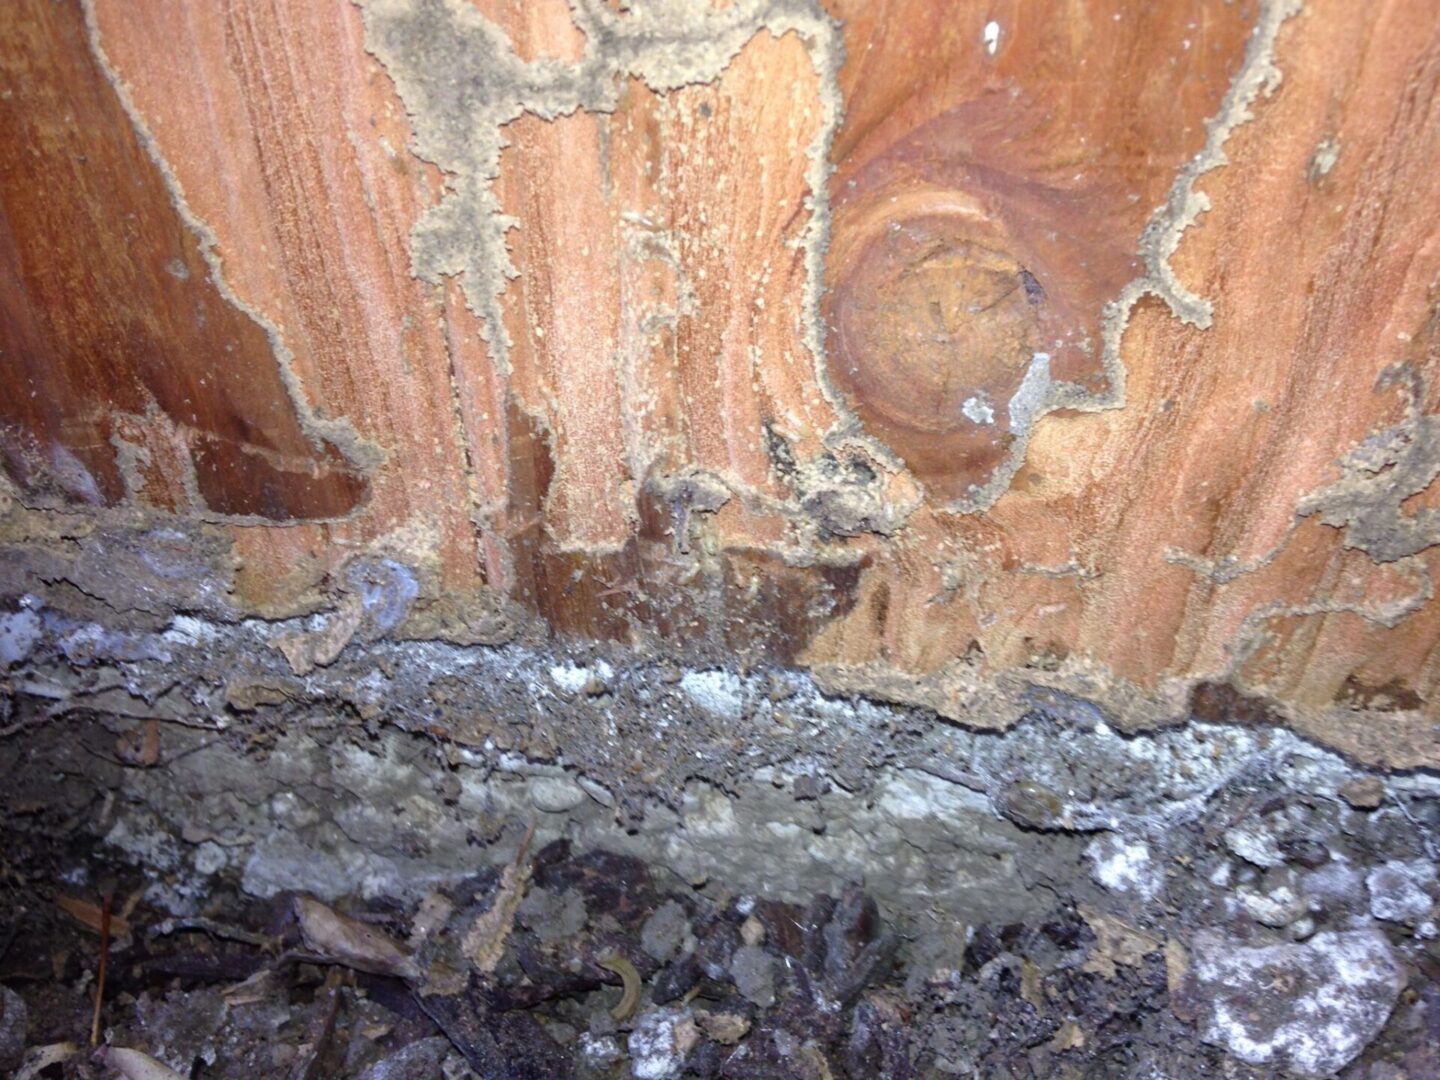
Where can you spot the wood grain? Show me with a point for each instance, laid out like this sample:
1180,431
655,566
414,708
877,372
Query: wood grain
109,321
705,401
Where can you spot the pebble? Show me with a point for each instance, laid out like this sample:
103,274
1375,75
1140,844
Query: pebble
1363,793
599,792
664,930
555,794
1305,851
599,1052
14,1022
654,1053
1308,1007
424,1057
1278,907
1124,866
810,787
1255,842
753,970
1032,805
554,917
1401,892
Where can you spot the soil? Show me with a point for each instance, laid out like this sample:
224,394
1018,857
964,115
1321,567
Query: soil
1285,924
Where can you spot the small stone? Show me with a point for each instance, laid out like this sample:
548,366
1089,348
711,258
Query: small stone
753,970
1308,1007
1124,867
778,688
555,794
598,1052
1305,851
554,917
14,1023
417,1061
450,788
1256,843
654,1053
1363,793
1336,885
1401,892
1278,907
210,858
1032,805
809,787
19,632
597,791
664,930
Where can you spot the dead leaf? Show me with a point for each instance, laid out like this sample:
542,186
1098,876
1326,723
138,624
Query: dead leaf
434,912
685,1036
347,941
255,990
1177,963
128,907
484,943
1069,1037
725,1028
39,1058
819,1067
308,650
133,1065
444,980
1116,942
1177,981
1030,983
92,916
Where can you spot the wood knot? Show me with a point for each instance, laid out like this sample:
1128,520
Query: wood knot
935,328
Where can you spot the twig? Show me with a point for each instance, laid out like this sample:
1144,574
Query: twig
305,1068
210,926
104,959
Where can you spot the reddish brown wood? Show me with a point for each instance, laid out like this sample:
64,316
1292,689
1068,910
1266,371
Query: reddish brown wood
653,431
995,205
119,348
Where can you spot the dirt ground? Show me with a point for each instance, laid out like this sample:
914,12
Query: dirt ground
1284,924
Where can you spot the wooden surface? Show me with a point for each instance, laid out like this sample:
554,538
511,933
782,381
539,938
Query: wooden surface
1087,345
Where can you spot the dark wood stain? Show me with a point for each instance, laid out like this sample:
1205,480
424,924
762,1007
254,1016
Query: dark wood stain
1222,703
756,609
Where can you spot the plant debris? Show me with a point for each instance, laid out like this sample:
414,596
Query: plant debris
1271,927
133,1065
342,940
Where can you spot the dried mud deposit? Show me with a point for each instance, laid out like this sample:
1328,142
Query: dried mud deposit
645,870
